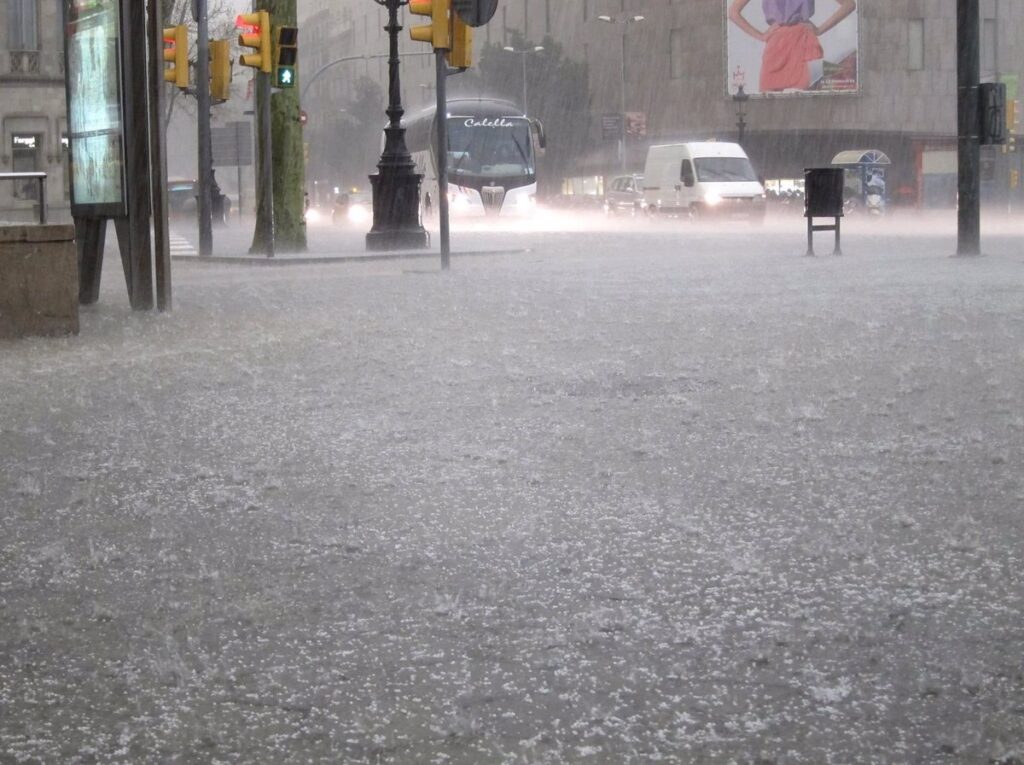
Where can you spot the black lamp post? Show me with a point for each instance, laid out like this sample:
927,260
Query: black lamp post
740,97
396,187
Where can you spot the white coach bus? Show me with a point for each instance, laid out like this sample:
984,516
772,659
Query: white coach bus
492,151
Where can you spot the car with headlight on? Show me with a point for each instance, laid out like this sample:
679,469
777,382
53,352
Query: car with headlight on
625,195
700,179
353,208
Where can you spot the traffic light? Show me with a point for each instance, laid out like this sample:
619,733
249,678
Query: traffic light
176,53
461,54
220,70
258,38
437,32
286,55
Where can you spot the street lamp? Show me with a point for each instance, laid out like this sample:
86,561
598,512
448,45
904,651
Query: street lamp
625,21
740,98
524,53
396,185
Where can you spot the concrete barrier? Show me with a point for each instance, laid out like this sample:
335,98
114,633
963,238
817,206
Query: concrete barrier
38,281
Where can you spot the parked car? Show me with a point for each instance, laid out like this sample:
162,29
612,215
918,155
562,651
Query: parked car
181,196
625,195
181,200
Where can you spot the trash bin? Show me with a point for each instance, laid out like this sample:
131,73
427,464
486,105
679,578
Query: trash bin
823,192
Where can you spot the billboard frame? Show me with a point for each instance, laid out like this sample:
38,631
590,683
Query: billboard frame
757,94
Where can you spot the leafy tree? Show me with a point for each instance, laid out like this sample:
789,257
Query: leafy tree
558,93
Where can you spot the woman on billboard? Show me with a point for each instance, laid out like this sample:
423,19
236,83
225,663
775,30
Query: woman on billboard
790,40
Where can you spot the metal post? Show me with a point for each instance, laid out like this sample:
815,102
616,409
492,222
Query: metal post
158,160
622,134
525,108
205,203
442,157
396,184
238,168
42,199
968,70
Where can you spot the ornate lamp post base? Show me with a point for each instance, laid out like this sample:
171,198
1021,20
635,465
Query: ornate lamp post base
396,185
396,200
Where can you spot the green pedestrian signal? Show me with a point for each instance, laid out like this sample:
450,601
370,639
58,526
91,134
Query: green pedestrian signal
286,56
285,77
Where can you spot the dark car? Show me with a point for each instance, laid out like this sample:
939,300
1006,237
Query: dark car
182,200
625,195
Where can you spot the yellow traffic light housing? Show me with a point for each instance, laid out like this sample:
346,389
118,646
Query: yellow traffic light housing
176,53
437,33
461,54
220,70
257,38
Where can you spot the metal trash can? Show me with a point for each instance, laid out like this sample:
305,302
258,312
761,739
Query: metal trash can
823,198
823,192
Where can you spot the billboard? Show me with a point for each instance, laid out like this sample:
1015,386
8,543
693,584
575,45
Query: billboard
95,110
792,46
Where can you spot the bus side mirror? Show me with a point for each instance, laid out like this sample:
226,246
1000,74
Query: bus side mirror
538,129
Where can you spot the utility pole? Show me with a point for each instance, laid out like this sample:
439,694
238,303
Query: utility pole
205,201
968,76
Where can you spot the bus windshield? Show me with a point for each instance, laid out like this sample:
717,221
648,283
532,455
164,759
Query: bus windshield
489,147
727,169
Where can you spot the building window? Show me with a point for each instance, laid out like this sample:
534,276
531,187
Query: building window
989,46
586,9
915,44
675,54
21,25
25,153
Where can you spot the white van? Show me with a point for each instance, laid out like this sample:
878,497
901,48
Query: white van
702,178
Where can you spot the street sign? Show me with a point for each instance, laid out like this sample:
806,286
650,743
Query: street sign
475,13
611,127
232,144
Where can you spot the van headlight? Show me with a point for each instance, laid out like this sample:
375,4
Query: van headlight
712,198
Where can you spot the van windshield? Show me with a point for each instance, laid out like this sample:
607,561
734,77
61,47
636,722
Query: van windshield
724,169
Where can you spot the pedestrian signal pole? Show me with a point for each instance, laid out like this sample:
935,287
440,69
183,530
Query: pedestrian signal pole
257,37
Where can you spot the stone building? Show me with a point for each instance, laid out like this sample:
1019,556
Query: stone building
33,119
670,71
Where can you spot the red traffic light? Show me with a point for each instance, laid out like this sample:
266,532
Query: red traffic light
241,23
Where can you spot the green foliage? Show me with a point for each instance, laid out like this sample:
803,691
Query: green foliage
558,95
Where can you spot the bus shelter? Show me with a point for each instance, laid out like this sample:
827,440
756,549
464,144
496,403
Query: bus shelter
865,168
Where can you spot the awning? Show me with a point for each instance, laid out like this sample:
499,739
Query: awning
861,157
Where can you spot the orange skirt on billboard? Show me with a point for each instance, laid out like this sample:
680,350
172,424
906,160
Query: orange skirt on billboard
786,55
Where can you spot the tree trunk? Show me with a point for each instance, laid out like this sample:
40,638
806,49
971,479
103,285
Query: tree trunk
289,170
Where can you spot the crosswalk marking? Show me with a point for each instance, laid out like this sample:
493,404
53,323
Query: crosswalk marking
180,245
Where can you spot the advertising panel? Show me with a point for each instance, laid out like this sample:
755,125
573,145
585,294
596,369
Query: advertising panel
95,110
792,46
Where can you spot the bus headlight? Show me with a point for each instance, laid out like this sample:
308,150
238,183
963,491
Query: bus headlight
357,213
460,202
712,198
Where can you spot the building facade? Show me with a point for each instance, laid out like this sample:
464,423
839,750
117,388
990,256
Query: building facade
33,112
670,66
